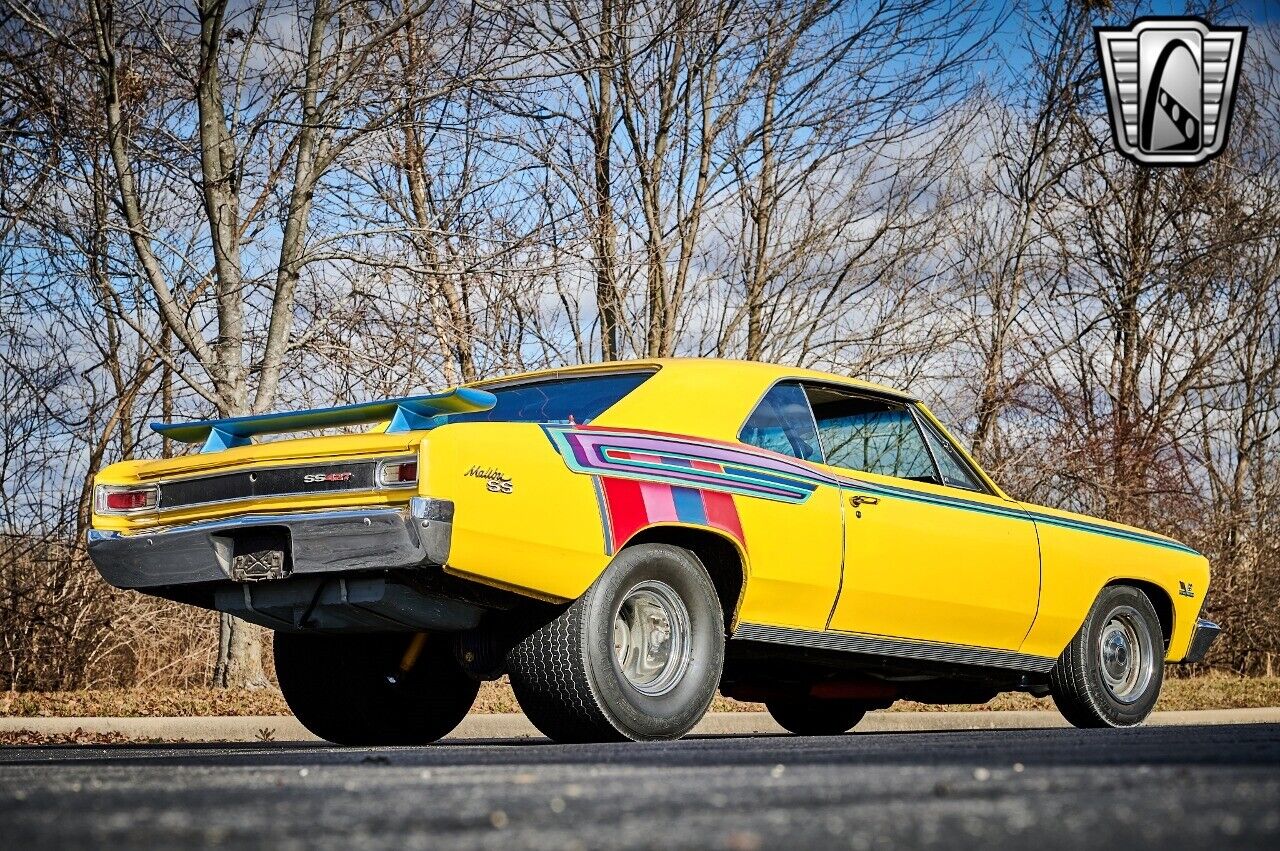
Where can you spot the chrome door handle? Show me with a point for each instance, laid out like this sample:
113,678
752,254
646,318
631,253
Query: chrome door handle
862,499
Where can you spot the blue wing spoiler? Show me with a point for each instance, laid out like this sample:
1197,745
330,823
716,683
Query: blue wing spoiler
410,413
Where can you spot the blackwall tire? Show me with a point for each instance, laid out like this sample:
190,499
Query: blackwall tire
347,689
1111,672
601,669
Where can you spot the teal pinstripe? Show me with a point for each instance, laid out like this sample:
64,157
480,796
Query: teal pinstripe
1022,514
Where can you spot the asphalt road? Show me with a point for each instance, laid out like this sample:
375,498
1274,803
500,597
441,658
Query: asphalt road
1174,787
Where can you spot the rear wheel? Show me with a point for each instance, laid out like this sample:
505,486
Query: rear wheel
638,656
812,716
349,689
1111,672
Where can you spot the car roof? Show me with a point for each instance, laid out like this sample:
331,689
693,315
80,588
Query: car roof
714,368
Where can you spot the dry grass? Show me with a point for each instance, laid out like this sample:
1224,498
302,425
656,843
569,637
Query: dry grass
151,702
1207,692
33,738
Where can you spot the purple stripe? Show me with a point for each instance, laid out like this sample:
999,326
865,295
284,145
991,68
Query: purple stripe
690,474
702,450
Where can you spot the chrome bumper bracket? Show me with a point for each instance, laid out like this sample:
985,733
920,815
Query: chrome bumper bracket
1206,632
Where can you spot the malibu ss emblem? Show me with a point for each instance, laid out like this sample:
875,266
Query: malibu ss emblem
495,482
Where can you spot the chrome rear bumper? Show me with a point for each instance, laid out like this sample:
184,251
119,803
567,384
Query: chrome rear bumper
322,542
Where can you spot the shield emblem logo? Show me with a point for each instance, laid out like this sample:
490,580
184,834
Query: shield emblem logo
1170,86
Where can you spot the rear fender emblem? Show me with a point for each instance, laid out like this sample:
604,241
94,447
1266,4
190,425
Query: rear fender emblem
495,481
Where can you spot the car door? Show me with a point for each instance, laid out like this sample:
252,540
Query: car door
930,552
795,543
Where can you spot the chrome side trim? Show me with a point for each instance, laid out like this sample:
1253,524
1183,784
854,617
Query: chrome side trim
867,645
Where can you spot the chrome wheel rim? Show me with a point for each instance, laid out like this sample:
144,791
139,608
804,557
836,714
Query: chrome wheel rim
1128,660
651,637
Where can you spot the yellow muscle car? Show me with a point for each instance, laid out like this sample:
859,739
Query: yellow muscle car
623,539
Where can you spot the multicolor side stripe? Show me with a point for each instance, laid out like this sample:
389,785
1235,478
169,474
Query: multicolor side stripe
705,467
672,459
633,505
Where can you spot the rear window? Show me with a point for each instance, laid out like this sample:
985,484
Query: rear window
556,400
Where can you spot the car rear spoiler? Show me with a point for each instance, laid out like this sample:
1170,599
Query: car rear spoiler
410,413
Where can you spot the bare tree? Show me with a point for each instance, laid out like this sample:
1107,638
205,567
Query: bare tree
210,207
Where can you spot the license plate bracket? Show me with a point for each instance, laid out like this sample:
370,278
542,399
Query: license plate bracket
261,554
258,566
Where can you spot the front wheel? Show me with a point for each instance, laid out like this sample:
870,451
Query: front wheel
811,716
1111,672
638,656
349,689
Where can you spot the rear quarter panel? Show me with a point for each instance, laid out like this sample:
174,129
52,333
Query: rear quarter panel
1080,555
551,536
544,538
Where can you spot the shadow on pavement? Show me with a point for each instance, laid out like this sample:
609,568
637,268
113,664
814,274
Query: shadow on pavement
1238,745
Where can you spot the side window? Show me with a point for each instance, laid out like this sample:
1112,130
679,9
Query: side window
873,435
783,423
955,471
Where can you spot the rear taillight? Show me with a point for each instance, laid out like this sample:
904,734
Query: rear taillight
110,499
398,473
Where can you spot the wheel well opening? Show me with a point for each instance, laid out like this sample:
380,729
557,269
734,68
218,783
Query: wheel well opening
1160,601
717,554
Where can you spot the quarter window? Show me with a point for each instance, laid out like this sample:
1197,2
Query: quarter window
782,422
872,435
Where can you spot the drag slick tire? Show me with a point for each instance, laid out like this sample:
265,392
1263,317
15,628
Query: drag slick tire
638,656
1111,672
349,689
812,716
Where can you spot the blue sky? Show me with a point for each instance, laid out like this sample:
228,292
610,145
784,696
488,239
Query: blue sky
1247,12
1012,44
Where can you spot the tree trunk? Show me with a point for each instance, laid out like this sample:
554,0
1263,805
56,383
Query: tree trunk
605,231
239,655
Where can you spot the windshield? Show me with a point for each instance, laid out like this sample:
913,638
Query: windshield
578,399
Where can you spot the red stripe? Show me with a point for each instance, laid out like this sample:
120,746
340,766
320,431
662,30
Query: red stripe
627,513
722,513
